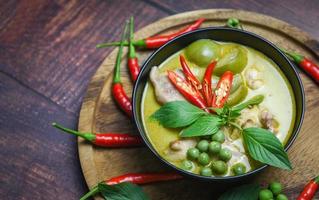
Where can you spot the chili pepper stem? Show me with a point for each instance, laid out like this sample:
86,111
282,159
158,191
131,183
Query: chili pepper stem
235,125
86,136
296,57
138,43
316,180
92,192
117,75
131,46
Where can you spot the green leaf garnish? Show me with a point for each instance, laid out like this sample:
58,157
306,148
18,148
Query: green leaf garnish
178,114
253,101
205,125
122,191
244,192
265,147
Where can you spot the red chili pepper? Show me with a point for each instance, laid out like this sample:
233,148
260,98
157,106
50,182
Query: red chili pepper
136,178
190,77
143,178
106,139
118,91
222,90
307,65
132,59
187,90
309,190
207,83
157,41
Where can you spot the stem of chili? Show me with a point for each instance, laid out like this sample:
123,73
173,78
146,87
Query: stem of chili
307,65
157,41
132,58
118,91
309,190
136,178
106,139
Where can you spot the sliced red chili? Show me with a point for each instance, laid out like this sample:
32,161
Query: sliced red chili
222,90
190,77
207,83
106,139
187,90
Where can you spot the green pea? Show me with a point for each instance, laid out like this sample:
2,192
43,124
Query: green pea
193,153
202,52
219,167
225,155
214,147
203,159
206,171
219,137
275,187
203,145
187,165
265,194
239,169
281,197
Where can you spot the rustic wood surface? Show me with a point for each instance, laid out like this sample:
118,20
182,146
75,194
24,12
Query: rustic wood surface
47,58
100,114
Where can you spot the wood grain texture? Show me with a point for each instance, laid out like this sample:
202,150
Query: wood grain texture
47,57
292,12
100,114
59,38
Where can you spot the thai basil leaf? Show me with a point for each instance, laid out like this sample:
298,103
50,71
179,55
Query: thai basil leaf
205,125
122,191
177,114
253,101
265,147
244,192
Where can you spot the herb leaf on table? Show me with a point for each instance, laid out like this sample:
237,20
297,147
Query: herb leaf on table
122,191
244,192
265,147
177,114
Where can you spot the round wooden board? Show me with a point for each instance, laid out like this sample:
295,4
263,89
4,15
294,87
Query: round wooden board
100,114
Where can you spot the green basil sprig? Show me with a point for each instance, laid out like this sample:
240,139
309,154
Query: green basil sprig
265,147
177,114
205,125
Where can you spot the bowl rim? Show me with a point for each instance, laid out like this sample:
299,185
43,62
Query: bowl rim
216,178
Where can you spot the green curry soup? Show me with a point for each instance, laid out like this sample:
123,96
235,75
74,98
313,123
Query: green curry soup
258,75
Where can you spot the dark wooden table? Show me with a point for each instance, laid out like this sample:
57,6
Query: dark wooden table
47,57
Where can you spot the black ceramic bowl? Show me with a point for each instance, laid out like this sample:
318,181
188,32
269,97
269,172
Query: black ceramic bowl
226,35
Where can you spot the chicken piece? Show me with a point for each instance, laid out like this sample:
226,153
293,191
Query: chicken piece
164,89
254,78
177,149
268,121
249,117
238,154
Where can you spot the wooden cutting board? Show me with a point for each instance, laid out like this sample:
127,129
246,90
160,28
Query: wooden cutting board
100,114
